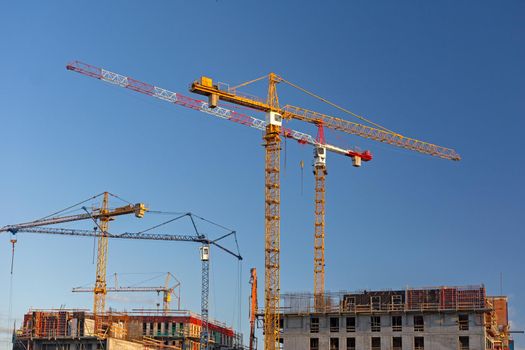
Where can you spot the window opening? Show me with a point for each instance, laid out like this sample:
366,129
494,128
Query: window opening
314,343
463,322
419,324
334,343
397,343
419,343
350,324
350,343
376,343
314,325
334,324
375,322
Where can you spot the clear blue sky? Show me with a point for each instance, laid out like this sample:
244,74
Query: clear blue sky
451,73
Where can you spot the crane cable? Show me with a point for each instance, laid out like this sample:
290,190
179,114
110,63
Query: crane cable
166,222
118,197
302,176
336,106
70,207
239,295
10,309
247,83
281,79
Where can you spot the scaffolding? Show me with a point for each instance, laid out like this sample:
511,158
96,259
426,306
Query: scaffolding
432,299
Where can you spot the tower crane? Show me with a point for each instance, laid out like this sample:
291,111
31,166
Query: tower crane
271,178
274,118
166,290
104,215
202,106
200,238
319,144
273,133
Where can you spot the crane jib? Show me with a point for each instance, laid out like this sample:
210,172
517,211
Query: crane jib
202,106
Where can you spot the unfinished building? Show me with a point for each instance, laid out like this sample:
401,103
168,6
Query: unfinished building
438,318
73,330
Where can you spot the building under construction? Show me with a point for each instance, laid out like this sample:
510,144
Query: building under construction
74,330
438,318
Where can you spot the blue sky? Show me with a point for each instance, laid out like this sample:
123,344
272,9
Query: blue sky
450,73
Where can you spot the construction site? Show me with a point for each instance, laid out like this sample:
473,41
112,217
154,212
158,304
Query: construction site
72,329
457,316
431,318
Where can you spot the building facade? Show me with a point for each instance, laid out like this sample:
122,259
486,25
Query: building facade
441,318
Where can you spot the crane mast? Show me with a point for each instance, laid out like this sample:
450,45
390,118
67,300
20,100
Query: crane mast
319,226
272,225
205,293
272,194
99,292
320,173
272,235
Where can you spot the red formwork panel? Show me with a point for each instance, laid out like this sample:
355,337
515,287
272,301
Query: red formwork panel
49,326
472,297
61,330
38,324
422,299
449,298
446,298
415,298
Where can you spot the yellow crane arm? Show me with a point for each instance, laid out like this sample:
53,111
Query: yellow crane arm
138,209
376,134
204,86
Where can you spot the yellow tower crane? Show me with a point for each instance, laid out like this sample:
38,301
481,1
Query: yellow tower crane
274,117
236,117
167,291
273,131
101,216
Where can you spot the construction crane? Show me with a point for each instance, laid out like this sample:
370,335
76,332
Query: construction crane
200,238
202,106
253,308
104,215
320,145
166,290
273,131
274,118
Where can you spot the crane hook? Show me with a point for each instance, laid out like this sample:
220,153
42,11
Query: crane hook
13,242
